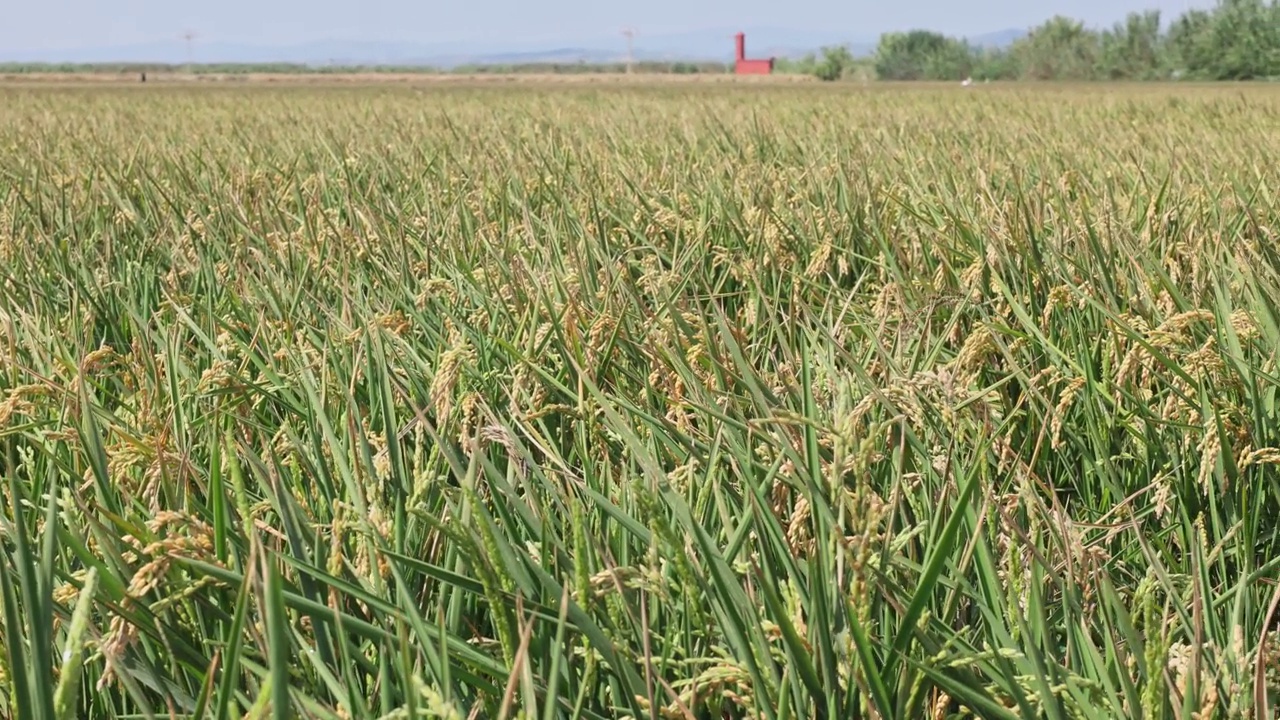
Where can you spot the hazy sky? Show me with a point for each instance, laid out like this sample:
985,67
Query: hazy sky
67,24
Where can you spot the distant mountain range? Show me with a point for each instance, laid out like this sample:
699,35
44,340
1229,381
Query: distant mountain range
998,40
702,45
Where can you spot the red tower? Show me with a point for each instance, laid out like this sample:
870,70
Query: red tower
743,66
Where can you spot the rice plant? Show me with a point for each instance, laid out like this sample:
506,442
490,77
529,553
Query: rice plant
639,402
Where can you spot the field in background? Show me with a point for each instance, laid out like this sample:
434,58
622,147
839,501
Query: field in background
376,78
645,401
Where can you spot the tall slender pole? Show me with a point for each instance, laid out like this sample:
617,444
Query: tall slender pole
190,36
630,35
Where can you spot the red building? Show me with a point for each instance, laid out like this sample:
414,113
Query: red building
743,66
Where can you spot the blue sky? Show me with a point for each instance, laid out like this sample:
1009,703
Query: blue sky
68,24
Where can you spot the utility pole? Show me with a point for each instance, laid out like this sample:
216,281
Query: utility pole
190,37
630,35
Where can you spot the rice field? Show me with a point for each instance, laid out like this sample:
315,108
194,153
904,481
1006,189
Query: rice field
639,401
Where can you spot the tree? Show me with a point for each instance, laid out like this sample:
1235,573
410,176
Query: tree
1246,40
1191,43
922,55
1134,49
836,63
996,64
1060,49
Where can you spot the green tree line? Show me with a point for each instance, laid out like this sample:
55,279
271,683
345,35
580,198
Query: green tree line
1236,40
